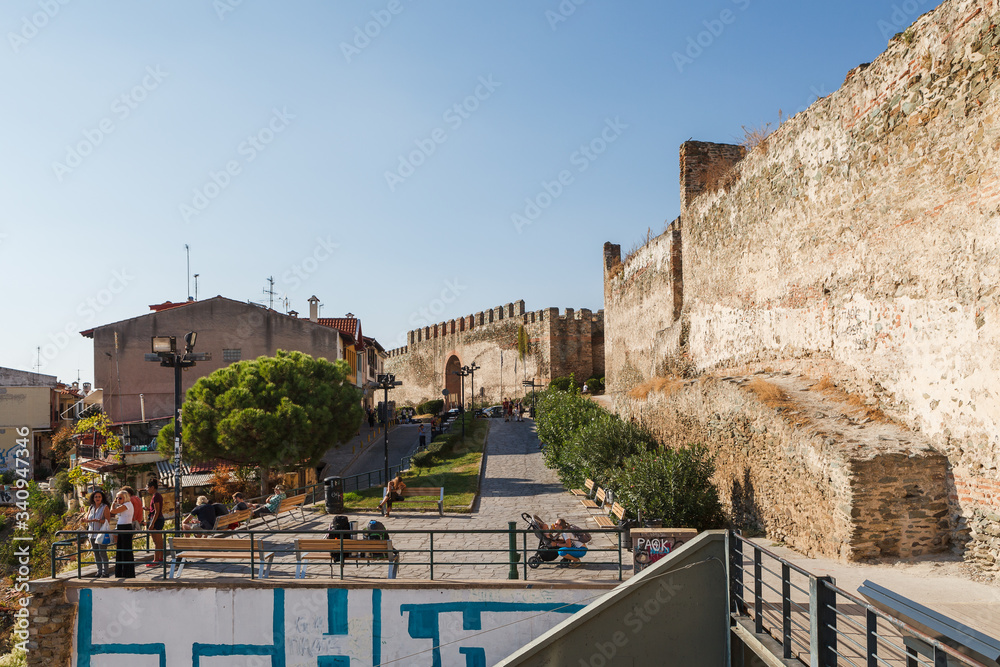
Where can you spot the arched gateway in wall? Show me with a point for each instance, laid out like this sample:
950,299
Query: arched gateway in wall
452,382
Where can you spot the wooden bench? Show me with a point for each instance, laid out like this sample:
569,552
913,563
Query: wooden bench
356,550
586,491
598,501
289,504
238,517
604,521
186,549
432,495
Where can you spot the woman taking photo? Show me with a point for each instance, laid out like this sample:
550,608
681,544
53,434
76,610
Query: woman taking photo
97,518
124,558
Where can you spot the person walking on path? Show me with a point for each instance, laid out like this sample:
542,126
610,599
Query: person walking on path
154,520
124,556
371,419
97,518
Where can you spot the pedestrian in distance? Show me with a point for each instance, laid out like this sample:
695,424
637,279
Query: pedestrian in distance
154,520
422,435
371,418
97,518
124,557
137,509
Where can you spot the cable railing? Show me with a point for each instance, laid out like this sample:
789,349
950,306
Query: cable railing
423,553
819,624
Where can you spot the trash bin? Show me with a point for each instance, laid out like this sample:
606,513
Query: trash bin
334,489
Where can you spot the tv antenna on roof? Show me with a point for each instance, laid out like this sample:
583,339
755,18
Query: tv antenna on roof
270,292
187,251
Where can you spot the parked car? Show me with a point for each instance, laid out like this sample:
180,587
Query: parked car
491,412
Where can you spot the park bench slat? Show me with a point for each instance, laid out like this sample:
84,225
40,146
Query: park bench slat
357,550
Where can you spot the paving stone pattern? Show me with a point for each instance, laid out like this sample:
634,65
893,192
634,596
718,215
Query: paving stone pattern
515,481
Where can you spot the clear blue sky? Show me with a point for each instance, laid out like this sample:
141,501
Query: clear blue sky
116,115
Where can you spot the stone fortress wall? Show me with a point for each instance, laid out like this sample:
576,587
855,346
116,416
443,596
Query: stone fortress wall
559,344
860,241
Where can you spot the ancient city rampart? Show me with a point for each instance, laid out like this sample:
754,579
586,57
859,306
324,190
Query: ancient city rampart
558,345
860,241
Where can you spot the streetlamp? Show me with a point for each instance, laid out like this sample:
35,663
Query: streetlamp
387,382
472,368
461,401
533,386
165,352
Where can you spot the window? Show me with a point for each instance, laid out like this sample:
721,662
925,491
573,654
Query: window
232,355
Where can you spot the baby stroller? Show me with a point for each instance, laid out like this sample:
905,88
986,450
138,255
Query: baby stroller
546,553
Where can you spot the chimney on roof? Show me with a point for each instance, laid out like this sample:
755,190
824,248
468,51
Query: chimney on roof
313,308
86,388
76,385
293,313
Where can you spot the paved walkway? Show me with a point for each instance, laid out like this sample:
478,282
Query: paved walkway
515,481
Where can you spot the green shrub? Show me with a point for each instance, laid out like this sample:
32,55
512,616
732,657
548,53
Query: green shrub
61,483
562,384
594,384
599,448
674,485
560,414
431,407
45,518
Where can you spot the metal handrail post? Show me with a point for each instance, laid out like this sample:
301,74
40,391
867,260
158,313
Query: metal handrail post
871,633
619,552
822,622
524,545
251,555
758,592
512,549
432,555
786,611
736,572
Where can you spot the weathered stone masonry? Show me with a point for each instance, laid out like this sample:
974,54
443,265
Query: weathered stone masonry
558,346
864,236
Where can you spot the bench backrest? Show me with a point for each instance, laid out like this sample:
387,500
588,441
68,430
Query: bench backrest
601,495
589,484
349,545
233,517
215,544
435,491
293,501
618,511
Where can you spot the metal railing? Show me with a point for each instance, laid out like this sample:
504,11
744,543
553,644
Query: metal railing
817,623
512,548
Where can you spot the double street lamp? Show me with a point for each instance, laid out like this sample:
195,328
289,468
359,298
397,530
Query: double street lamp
531,384
471,369
165,352
461,401
386,382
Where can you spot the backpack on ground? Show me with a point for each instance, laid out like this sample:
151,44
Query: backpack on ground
376,531
339,523
580,534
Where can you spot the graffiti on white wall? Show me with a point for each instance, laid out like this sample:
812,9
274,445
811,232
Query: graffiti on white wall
319,627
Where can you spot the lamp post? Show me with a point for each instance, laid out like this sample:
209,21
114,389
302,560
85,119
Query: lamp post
472,368
165,352
461,401
531,383
386,382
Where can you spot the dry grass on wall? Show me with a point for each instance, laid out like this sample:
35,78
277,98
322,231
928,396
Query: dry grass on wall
828,387
769,394
660,385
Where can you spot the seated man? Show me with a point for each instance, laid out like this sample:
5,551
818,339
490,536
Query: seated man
570,548
270,505
239,504
202,517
